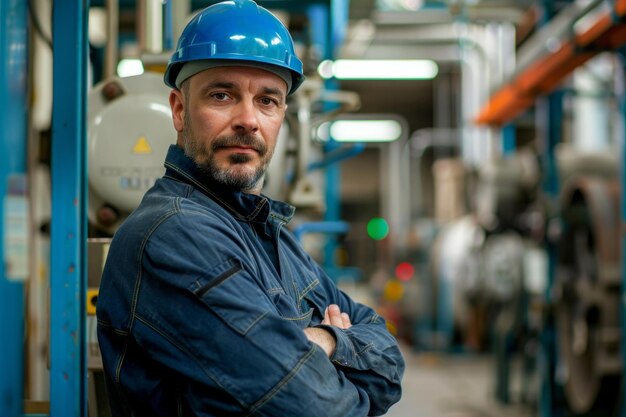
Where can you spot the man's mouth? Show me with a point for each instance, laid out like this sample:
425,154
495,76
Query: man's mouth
240,149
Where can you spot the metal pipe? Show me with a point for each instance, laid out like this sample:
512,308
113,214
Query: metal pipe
150,26
111,52
592,110
551,35
336,156
621,77
304,133
153,26
394,202
325,227
180,12
168,25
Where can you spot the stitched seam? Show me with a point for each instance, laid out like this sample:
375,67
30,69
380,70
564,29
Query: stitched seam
375,318
121,332
308,288
295,291
160,221
282,382
259,206
188,210
110,326
103,323
120,361
302,317
368,347
280,217
247,329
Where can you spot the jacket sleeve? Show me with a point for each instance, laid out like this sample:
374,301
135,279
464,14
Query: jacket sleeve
367,354
201,313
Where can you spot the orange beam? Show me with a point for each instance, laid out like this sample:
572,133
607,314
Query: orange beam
603,24
614,38
504,105
620,8
547,73
528,80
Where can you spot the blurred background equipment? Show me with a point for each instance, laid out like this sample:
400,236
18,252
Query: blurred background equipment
458,165
588,294
129,131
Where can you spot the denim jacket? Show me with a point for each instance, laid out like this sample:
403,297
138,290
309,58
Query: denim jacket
196,319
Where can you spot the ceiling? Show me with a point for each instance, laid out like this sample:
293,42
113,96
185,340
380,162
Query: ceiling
373,33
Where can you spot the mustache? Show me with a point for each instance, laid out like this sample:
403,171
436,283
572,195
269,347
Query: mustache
239,140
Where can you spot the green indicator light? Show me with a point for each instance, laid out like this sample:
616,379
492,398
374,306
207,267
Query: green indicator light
377,228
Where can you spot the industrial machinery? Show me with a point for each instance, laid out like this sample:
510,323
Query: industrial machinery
98,405
129,131
587,288
478,259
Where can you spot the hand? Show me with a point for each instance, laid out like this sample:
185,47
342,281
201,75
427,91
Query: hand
323,338
334,317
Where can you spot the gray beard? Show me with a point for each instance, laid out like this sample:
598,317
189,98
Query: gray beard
230,176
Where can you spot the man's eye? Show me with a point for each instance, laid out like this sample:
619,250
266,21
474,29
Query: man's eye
268,101
220,96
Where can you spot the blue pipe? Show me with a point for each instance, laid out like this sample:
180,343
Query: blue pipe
329,22
68,293
552,109
326,227
622,411
13,207
508,140
168,26
337,155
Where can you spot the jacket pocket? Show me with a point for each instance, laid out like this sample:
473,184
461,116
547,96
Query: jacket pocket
233,295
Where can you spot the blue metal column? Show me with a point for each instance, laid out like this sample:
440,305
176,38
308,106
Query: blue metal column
503,340
509,142
549,119
622,167
68,361
550,116
328,25
13,204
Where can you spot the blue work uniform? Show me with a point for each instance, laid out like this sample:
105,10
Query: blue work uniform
202,306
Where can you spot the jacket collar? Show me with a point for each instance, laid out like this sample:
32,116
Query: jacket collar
247,207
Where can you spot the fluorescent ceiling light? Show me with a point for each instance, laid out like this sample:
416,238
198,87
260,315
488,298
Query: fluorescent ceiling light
129,67
373,69
361,130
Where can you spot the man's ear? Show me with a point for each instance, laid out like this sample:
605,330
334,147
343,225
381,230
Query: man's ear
177,104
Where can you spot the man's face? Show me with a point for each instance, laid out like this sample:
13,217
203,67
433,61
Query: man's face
228,119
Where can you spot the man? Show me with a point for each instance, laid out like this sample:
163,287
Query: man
208,305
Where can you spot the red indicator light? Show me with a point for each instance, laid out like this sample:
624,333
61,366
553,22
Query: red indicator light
405,271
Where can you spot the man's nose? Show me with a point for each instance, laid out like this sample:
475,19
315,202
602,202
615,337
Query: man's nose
245,118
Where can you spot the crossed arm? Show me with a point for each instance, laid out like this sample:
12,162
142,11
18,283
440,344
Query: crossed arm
332,317
256,355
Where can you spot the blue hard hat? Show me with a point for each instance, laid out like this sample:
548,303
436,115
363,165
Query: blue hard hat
236,30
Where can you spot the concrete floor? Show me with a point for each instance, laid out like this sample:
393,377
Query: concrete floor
440,385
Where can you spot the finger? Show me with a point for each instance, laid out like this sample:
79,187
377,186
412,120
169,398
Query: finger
335,315
346,321
326,317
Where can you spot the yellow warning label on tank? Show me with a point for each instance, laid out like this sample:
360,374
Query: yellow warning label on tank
92,299
142,146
